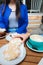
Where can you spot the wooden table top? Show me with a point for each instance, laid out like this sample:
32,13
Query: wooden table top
32,58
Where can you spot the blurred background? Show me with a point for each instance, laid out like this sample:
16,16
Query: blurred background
34,5
35,16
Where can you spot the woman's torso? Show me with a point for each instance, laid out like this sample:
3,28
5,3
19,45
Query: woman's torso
22,21
13,22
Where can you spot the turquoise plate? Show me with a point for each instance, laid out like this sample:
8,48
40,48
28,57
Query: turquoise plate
32,48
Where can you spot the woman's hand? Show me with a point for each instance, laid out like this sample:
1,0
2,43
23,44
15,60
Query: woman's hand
24,37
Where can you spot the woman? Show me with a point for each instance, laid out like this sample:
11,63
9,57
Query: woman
13,16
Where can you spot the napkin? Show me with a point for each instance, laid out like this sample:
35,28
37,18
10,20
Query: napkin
41,62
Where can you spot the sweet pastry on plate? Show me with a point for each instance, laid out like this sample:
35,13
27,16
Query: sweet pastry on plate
13,49
2,32
11,53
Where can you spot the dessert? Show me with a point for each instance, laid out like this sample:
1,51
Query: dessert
13,49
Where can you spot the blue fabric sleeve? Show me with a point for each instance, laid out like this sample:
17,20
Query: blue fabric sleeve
23,27
1,17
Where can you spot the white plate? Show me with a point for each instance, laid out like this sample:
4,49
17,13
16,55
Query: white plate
2,29
8,36
13,62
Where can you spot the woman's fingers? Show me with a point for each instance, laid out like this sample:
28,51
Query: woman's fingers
23,41
18,36
15,36
23,37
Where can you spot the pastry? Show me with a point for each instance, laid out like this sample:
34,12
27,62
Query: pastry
13,50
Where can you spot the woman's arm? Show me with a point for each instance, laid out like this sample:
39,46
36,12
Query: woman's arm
24,37
2,25
25,22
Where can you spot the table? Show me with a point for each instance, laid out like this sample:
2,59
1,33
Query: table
32,58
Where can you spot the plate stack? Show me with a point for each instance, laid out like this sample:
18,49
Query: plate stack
2,32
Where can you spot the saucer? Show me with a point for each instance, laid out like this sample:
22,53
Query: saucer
30,46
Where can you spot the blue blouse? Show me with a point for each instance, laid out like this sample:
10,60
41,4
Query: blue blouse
22,21
13,22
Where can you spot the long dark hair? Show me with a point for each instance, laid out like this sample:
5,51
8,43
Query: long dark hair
17,2
42,19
